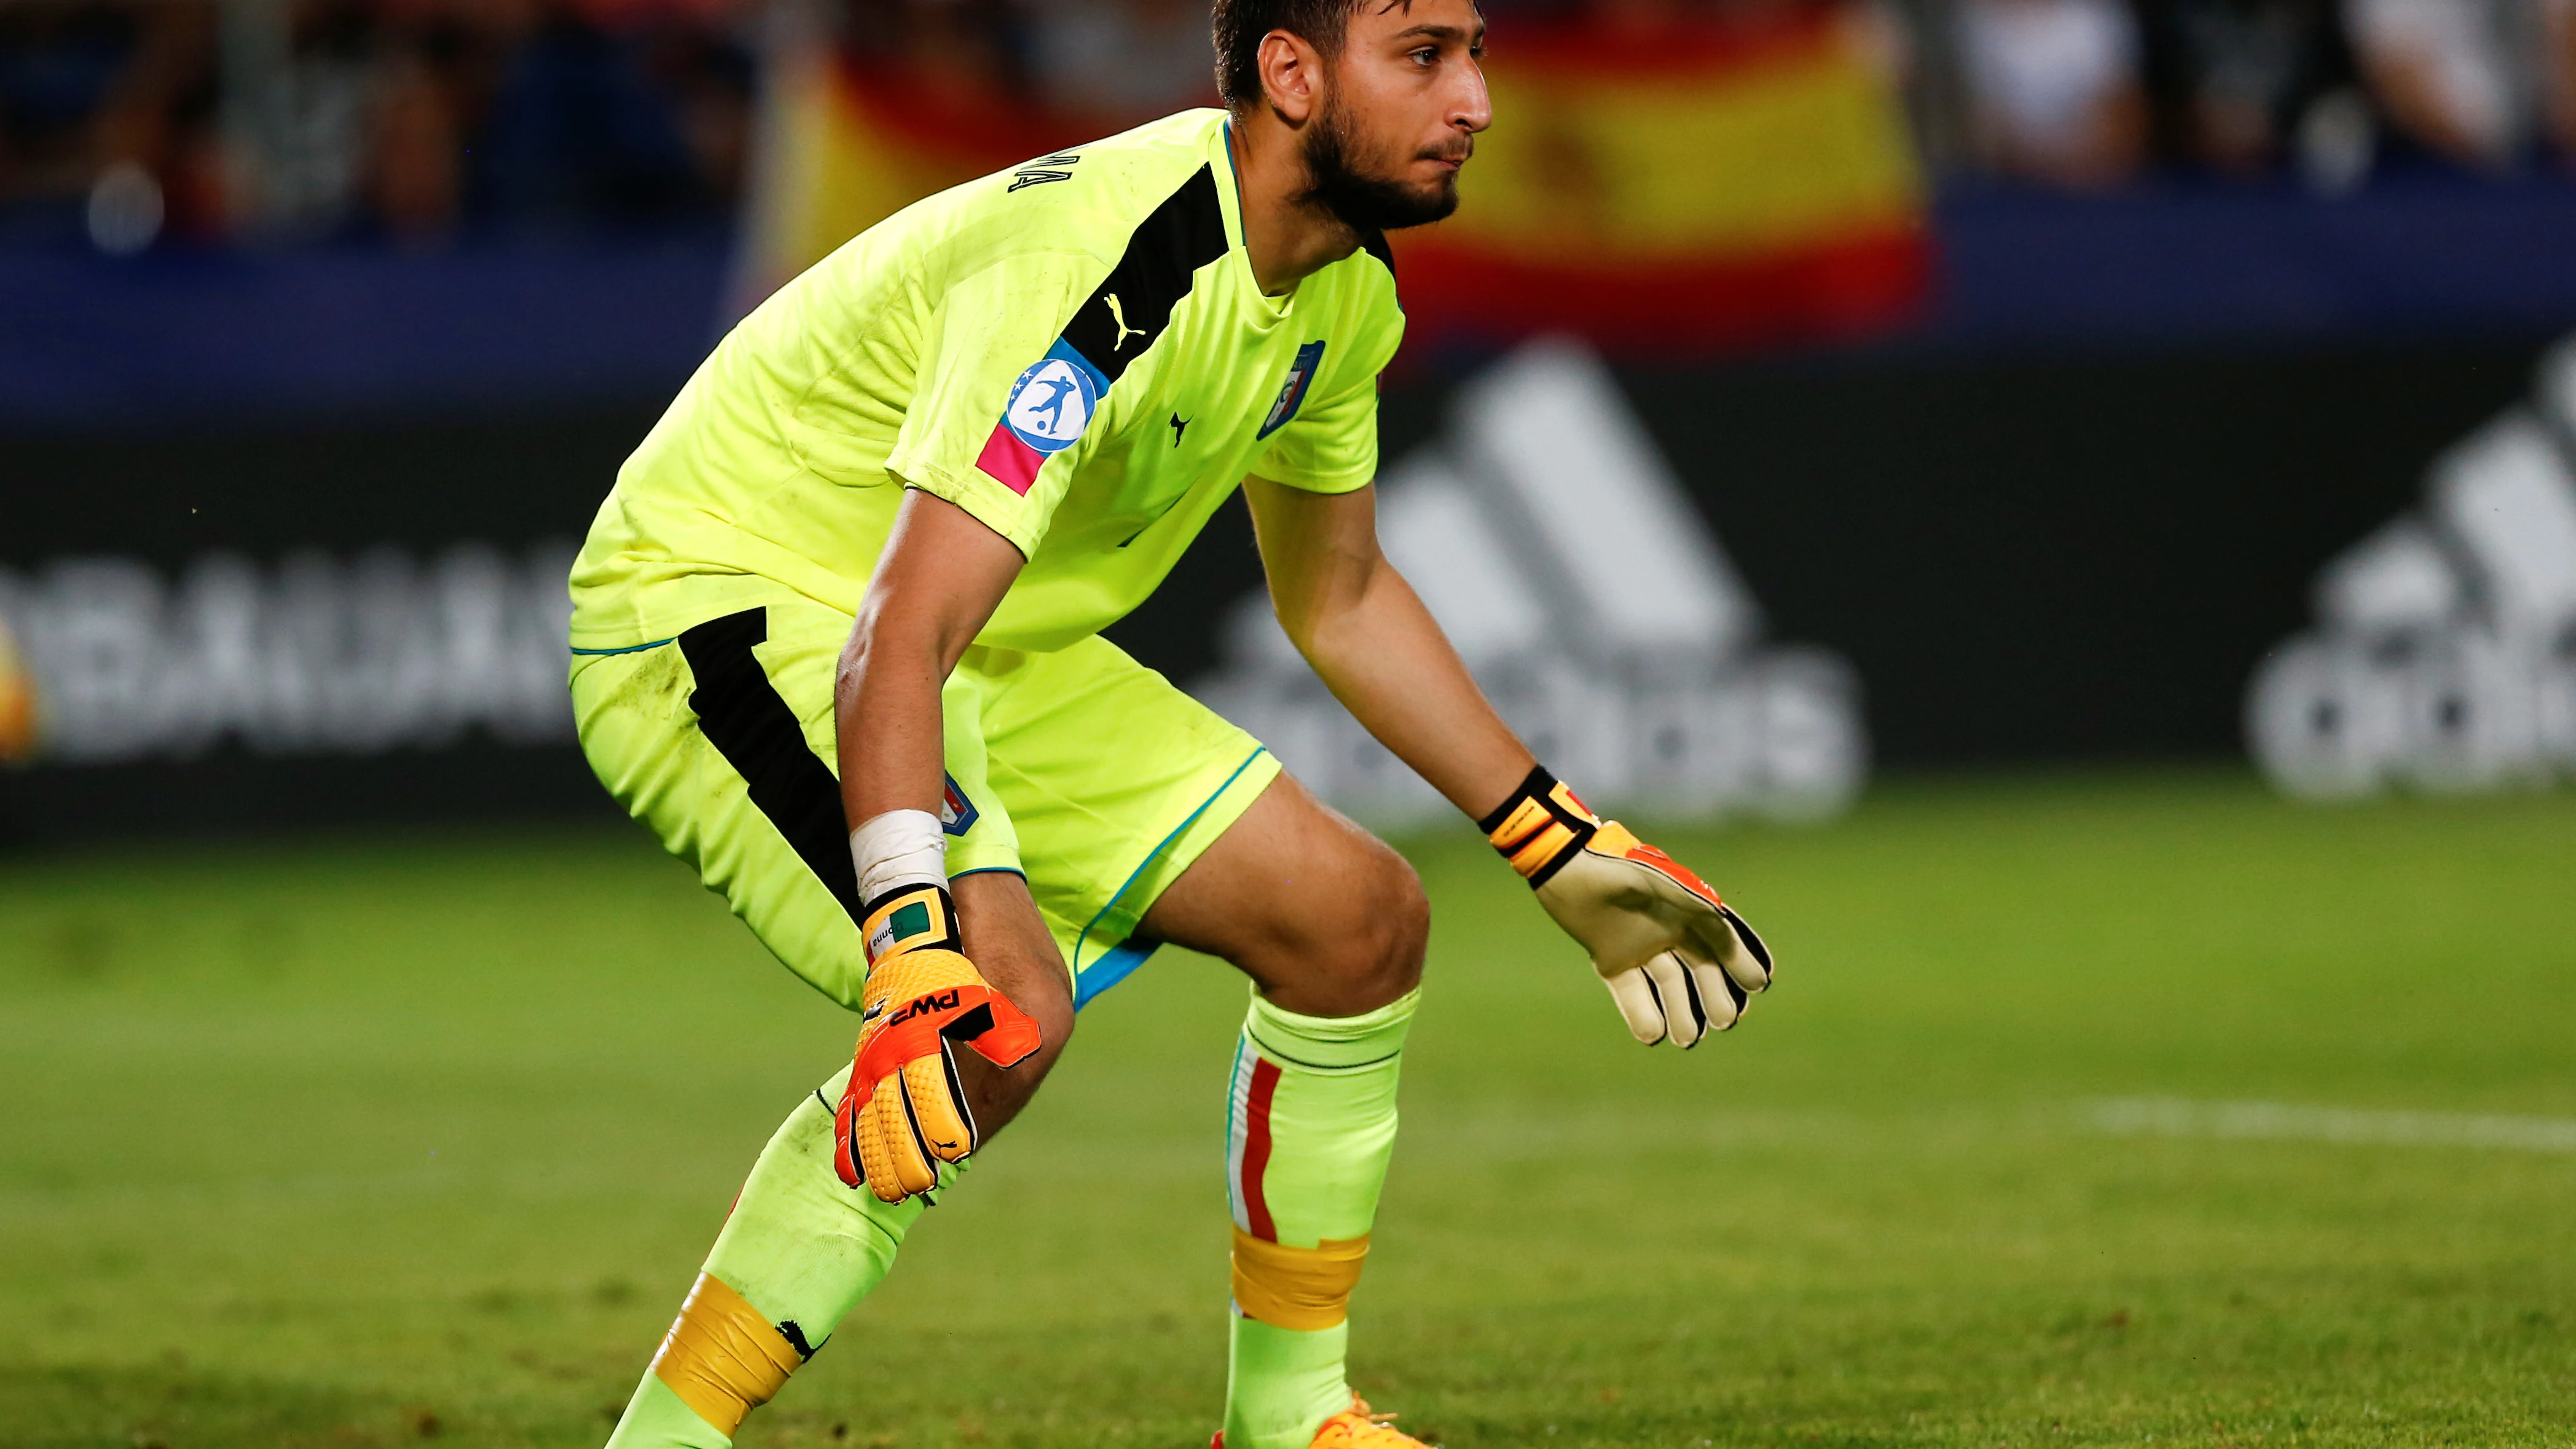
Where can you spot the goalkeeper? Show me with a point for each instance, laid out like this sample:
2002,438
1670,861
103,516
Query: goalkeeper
837,639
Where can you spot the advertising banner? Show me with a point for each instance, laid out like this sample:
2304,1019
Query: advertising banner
227,628
2445,654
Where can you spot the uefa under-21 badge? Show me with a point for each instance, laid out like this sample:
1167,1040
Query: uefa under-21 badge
1051,404
1049,409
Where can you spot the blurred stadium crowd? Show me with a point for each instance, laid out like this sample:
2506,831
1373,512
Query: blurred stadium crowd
125,123
2093,92
408,120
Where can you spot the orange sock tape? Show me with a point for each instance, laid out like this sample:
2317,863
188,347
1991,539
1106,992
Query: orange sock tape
721,1357
1301,1288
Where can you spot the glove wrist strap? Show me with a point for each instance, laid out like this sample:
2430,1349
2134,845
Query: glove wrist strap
910,917
1540,827
902,862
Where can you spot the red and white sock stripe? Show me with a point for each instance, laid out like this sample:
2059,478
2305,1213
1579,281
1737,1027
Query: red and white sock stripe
1247,1147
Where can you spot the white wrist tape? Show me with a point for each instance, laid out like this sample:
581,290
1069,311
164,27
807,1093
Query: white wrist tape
899,848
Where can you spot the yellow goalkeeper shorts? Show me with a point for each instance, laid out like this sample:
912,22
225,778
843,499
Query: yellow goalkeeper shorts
1082,770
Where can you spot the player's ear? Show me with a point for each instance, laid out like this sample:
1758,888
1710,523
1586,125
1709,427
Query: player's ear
1291,76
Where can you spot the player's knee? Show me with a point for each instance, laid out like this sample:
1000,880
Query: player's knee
1374,953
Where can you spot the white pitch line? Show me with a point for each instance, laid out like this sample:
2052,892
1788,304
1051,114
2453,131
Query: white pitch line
2176,1117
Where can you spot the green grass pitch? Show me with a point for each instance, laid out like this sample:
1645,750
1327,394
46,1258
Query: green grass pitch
357,1142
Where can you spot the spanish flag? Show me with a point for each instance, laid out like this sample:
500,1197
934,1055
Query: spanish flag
1677,193
1674,192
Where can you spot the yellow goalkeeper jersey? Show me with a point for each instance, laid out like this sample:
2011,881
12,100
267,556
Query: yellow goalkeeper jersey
1074,351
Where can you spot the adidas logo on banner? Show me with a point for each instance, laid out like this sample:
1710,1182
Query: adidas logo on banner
2446,653
1553,543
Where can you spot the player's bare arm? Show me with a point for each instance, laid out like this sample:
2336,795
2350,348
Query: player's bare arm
940,578
1377,648
1679,962
973,965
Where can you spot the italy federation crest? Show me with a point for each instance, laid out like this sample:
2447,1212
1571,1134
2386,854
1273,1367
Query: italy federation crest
1292,393
956,812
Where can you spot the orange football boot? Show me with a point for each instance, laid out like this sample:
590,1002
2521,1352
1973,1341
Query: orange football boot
1352,1428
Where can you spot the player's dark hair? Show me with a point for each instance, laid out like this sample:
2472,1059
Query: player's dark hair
1237,26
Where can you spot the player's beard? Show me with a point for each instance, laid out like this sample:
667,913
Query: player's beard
1363,202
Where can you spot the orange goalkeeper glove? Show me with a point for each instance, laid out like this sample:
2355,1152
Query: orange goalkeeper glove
1679,962
905,1110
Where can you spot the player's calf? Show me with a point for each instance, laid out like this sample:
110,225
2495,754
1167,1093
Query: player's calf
1331,924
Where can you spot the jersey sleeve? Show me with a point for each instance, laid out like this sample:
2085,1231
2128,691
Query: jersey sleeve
1330,446
998,396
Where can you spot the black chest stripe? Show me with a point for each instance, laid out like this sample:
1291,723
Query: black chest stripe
1134,302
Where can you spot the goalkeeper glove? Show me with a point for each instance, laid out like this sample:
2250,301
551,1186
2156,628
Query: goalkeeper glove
1679,962
905,1111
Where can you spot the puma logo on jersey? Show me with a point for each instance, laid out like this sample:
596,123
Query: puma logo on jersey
1180,425
1118,315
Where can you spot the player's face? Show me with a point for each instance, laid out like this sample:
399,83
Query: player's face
1401,109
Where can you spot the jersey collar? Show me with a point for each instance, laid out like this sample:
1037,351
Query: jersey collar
1266,308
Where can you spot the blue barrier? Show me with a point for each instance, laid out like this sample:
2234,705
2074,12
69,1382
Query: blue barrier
2419,254
175,335
87,339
